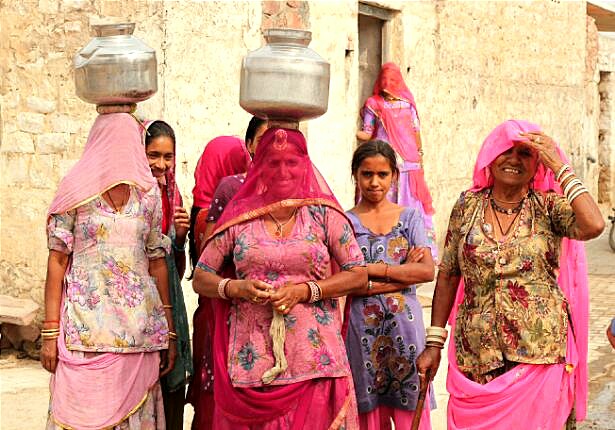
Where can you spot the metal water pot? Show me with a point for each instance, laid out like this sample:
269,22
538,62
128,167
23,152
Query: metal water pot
285,80
115,67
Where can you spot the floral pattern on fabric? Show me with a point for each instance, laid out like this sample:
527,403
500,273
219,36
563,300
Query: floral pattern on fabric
511,294
112,303
313,346
386,331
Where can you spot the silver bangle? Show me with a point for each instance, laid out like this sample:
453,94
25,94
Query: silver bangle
222,287
577,193
561,171
315,291
566,175
570,185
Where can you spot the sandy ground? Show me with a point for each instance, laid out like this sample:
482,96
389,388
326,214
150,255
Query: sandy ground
24,385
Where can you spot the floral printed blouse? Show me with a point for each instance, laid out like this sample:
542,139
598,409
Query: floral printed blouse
111,303
386,331
314,347
513,308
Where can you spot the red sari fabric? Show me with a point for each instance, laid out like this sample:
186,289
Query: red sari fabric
262,193
398,126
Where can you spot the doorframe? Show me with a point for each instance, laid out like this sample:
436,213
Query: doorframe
386,15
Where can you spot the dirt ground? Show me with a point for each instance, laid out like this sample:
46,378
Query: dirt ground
24,384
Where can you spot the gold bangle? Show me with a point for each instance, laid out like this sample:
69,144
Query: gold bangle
167,306
172,335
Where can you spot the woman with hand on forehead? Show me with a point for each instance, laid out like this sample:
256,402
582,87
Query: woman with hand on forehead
513,285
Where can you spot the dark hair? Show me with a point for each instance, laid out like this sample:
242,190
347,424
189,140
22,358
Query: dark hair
157,129
372,149
255,124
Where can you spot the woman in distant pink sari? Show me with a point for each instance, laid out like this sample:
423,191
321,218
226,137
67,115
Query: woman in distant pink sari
279,357
390,115
513,285
108,321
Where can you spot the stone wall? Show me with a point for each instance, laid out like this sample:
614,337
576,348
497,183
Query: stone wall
470,65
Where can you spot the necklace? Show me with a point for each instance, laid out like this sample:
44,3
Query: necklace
507,211
497,219
504,201
117,208
279,226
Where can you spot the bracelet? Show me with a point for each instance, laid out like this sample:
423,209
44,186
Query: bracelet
178,248
570,185
222,288
315,291
435,345
50,337
577,193
167,306
420,151
370,285
561,171
567,175
437,331
50,330
386,273
172,335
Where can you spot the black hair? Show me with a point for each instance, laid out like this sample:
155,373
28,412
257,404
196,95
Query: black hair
254,124
372,149
157,129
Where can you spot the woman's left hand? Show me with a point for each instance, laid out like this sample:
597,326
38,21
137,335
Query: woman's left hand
181,220
167,358
284,299
546,148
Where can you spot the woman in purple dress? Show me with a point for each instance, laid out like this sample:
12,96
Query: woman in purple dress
386,331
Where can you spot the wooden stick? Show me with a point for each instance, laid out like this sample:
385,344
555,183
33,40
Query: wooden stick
416,421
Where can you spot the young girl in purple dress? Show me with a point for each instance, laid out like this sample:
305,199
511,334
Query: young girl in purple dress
386,331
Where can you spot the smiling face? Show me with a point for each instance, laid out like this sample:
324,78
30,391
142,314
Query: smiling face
374,177
160,155
516,166
283,173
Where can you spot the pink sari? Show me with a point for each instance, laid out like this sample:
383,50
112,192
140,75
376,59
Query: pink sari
99,391
399,129
289,406
528,396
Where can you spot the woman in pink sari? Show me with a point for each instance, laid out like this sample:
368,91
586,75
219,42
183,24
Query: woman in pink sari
279,356
513,285
108,320
390,115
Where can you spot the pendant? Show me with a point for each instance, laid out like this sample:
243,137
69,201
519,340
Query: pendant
487,228
502,261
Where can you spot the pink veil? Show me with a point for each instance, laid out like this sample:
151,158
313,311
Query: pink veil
509,401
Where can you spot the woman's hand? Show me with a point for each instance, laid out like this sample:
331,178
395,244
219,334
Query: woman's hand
181,220
284,299
415,255
167,358
49,354
546,148
255,291
428,360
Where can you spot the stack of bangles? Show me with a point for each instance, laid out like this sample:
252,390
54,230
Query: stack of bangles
436,336
570,184
50,333
222,288
172,336
315,291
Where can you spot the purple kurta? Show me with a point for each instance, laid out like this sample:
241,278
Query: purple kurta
386,331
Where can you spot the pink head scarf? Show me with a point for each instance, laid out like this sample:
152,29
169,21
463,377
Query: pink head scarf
263,191
223,156
113,155
509,401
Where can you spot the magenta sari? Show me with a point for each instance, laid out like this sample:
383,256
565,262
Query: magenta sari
292,406
529,395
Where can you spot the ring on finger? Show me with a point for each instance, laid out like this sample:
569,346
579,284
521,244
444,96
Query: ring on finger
538,140
282,308
255,299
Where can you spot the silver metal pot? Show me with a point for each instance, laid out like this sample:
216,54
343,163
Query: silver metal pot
115,67
285,80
